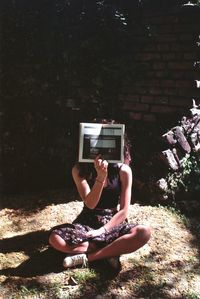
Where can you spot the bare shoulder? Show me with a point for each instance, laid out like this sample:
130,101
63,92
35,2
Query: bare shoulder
125,170
75,167
75,171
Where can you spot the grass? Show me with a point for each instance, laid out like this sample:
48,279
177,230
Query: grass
175,211
83,276
168,267
25,292
192,295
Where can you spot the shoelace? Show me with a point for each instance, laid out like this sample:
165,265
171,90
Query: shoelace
78,259
85,261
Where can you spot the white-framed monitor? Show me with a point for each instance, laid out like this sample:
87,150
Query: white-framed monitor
106,140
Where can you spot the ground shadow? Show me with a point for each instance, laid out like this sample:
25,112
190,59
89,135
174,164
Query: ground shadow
28,243
32,202
39,263
42,259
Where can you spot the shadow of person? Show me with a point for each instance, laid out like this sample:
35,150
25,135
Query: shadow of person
41,261
27,243
104,269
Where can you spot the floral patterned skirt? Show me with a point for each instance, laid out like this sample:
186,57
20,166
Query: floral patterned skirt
87,220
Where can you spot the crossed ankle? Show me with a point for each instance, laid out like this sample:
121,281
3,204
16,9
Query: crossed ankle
75,260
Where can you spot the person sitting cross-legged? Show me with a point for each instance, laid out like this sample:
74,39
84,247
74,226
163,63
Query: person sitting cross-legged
102,230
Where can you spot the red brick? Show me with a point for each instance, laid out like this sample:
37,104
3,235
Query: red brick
163,47
121,97
161,100
167,83
179,56
177,74
162,20
168,56
128,89
160,74
148,82
182,110
133,98
140,90
167,28
163,109
170,91
159,65
191,74
181,101
180,65
186,37
135,116
166,38
193,92
136,106
189,56
147,99
147,56
184,83
181,47
149,48
150,74
184,28
149,117
155,91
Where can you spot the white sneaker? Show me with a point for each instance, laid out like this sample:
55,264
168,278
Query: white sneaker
75,260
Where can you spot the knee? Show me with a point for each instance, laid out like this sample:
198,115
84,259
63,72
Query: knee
144,233
55,240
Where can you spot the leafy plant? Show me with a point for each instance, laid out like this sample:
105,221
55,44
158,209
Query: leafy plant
186,179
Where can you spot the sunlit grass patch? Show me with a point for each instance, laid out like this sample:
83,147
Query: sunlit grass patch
192,295
26,292
176,212
85,275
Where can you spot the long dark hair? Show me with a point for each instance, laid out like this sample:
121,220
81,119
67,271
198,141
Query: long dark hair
88,171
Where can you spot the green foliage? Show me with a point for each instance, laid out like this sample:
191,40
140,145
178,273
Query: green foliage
27,291
192,296
196,2
186,179
85,275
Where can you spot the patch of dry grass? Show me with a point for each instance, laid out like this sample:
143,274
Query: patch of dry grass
167,267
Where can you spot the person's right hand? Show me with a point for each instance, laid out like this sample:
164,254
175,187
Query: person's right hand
95,232
101,167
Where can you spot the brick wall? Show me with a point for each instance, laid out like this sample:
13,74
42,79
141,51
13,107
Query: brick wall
47,89
170,59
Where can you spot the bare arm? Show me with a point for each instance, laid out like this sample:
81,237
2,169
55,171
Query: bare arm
91,196
125,198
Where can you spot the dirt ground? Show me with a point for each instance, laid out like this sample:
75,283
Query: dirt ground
167,267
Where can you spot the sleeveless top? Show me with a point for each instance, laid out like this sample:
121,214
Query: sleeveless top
110,194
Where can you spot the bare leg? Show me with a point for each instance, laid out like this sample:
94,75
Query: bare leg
128,243
138,236
59,244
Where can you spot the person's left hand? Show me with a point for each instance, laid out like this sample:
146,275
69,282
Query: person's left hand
94,233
